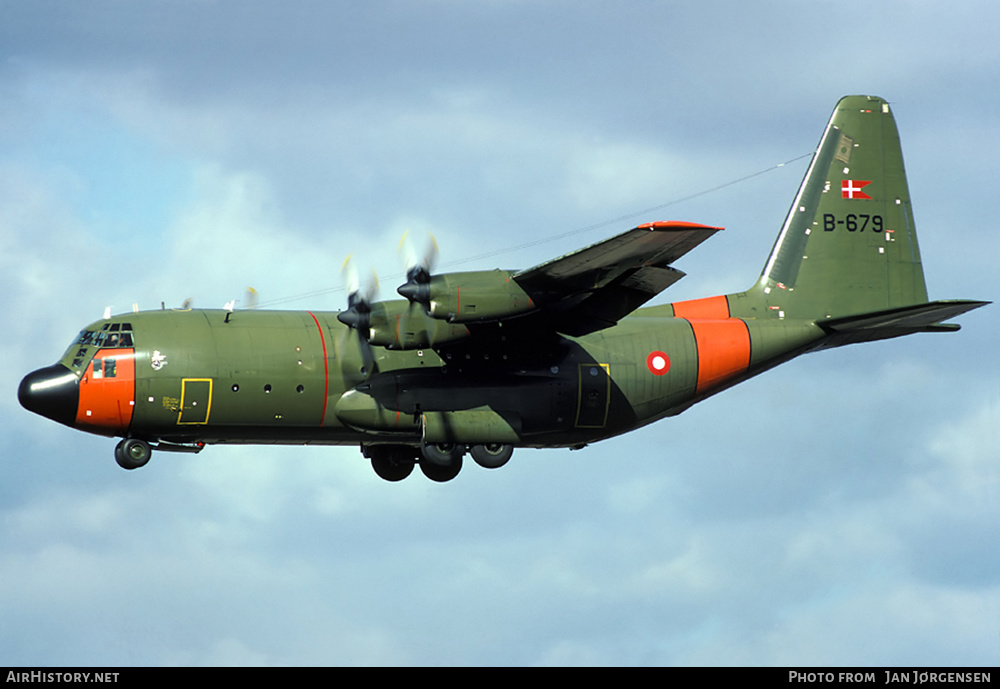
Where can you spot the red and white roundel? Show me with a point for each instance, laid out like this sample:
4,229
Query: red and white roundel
658,363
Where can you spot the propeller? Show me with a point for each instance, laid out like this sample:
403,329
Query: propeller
418,271
251,298
357,317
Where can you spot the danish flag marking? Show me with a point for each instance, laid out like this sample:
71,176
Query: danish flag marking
851,189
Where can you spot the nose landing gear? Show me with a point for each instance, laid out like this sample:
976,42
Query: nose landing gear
132,453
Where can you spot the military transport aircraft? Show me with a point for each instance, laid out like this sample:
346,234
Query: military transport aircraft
558,355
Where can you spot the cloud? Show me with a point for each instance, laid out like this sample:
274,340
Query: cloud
837,510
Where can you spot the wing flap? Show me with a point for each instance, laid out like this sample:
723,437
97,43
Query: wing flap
653,244
593,288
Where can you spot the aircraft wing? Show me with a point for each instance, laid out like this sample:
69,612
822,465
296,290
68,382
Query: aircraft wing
594,287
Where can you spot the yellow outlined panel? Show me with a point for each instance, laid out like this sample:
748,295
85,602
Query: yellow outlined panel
593,395
196,401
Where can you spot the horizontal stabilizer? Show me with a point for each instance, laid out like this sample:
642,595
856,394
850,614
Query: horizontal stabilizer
905,320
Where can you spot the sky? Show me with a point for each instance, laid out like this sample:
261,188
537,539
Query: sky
842,509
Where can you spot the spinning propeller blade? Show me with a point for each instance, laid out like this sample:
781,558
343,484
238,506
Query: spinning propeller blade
357,317
418,271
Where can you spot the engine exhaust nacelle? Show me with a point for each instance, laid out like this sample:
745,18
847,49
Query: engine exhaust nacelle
401,325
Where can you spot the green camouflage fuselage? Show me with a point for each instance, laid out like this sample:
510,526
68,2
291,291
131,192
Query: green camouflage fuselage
281,376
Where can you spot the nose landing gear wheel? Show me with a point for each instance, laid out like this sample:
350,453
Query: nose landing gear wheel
132,453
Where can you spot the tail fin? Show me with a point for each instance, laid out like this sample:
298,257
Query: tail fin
848,245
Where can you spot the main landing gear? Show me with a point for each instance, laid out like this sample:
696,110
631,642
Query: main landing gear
491,455
439,462
391,462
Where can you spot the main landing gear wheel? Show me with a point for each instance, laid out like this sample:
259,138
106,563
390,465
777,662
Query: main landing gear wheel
442,454
392,462
439,472
441,461
132,453
492,455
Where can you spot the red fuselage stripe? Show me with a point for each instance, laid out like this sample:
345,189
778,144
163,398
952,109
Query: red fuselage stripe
326,367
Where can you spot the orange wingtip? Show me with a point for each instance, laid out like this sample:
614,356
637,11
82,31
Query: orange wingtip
676,225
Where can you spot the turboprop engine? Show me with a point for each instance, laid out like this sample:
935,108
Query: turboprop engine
468,297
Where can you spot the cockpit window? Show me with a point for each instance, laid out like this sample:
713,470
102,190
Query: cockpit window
118,340
110,336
